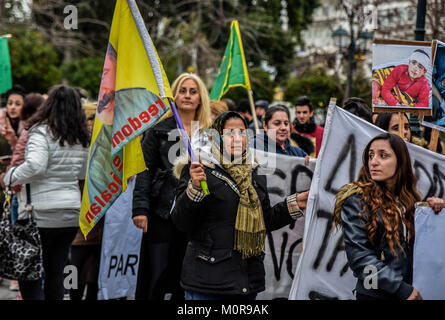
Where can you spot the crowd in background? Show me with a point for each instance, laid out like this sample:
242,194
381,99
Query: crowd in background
185,254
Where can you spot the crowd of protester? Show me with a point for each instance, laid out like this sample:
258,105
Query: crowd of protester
199,247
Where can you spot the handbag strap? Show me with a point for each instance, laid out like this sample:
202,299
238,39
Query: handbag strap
8,195
28,206
10,177
28,194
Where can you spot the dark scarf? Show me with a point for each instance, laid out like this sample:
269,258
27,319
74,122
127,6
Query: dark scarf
308,127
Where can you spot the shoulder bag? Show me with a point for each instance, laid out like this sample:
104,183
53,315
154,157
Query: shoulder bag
20,245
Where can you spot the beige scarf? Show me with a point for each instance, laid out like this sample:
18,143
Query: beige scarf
250,231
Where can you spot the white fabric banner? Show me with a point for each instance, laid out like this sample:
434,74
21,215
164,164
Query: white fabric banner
121,239
322,271
429,254
286,175
121,243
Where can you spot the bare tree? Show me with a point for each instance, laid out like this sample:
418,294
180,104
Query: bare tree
49,18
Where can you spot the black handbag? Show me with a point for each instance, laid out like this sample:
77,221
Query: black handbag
20,245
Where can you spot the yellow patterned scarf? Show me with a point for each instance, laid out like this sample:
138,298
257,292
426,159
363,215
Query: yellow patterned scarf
345,192
250,231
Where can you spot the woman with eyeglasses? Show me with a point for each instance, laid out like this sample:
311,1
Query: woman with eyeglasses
227,228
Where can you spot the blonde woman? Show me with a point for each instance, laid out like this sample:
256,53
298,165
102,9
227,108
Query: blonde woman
163,246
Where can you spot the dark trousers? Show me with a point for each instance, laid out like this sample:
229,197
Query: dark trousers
86,258
160,262
31,290
56,243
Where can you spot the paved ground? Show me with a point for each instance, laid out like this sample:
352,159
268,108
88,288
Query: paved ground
5,293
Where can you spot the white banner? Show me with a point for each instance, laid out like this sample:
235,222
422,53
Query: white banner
322,271
121,239
283,246
121,243
429,254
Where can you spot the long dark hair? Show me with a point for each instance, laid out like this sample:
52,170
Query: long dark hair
377,197
383,119
63,114
31,103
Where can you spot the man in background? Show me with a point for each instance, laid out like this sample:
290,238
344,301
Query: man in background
304,123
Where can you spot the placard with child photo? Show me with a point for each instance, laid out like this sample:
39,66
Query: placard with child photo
401,76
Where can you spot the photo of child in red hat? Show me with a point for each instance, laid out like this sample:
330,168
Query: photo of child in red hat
403,85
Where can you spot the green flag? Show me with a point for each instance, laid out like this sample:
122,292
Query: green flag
5,66
233,70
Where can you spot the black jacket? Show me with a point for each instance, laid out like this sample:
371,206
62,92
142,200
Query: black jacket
155,188
210,263
393,274
163,246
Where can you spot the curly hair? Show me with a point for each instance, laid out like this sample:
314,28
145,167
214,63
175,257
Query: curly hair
376,197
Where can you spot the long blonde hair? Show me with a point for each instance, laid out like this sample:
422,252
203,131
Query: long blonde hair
203,112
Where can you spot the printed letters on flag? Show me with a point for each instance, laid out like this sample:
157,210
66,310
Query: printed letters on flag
133,96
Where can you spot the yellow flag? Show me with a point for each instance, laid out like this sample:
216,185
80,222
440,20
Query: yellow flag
132,97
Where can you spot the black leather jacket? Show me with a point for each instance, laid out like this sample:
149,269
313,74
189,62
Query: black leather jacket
393,273
155,188
210,263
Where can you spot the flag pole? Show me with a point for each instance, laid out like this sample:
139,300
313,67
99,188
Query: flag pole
152,57
186,139
252,108
246,71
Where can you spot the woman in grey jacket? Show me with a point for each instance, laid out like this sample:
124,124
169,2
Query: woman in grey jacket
377,215
55,160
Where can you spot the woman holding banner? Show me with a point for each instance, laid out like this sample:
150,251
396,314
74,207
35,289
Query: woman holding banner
227,228
377,215
163,246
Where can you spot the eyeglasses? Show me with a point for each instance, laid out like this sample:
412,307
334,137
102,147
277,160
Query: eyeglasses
233,133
